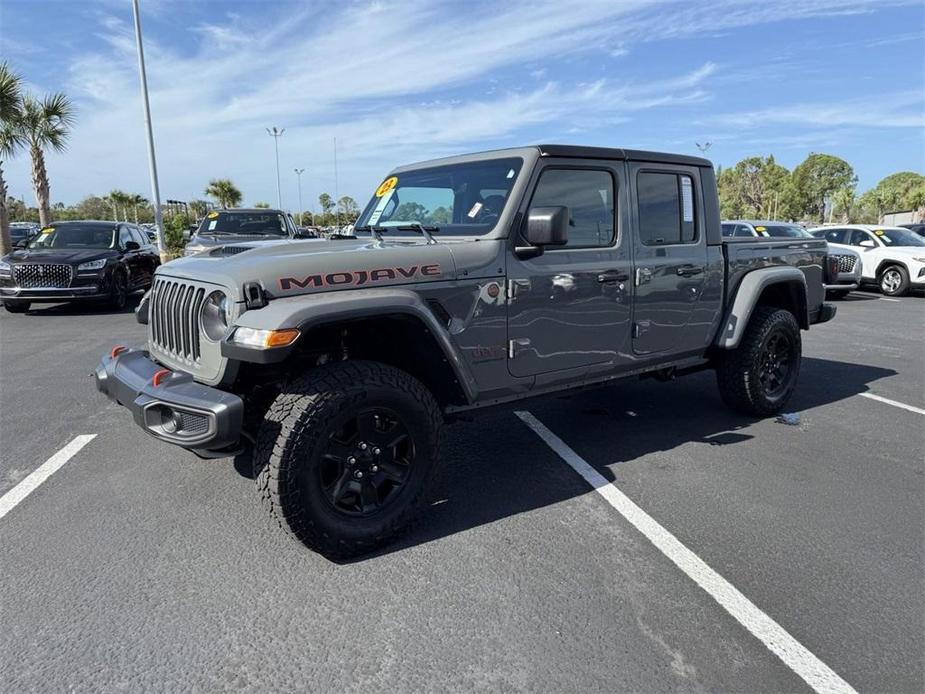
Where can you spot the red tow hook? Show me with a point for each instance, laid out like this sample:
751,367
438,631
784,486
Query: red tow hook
116,351
159,376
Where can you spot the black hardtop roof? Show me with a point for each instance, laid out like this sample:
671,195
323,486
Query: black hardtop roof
582,152
260,210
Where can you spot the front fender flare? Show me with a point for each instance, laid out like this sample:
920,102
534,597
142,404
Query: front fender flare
746,298
310,311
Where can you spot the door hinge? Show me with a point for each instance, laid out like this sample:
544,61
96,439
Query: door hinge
643,275
641,328
513,285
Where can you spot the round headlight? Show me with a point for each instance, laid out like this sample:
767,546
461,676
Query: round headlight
215,315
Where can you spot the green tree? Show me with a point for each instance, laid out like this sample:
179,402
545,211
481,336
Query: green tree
262,205
327,204
10,141
45,124
348,209
410,212
755,187
442,215
120,200
816,180
225,193
843,204
137,201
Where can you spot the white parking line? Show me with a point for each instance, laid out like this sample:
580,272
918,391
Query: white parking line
894,403
886,298
9,500
814,672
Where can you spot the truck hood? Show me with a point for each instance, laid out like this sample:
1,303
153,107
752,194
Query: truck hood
213,240
294,267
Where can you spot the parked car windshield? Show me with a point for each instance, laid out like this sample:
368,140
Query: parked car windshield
788,231
245,223
461,199
75,236
899,237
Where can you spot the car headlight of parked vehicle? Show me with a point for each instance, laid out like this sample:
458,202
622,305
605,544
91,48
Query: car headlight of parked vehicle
92,265
215,315
193,250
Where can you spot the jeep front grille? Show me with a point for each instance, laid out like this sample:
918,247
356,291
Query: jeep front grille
36,276
174,318
846,263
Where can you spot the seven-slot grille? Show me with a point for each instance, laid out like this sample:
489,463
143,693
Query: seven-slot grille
846,262
36,276
174,317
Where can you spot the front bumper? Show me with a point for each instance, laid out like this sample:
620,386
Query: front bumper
177,409
825,314
846,286
37,296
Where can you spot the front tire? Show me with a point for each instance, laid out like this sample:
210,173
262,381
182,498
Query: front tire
345,455
16,306
758,376
118,293
894,280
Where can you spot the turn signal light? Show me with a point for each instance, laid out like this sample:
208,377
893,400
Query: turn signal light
264,339
281,338
116,351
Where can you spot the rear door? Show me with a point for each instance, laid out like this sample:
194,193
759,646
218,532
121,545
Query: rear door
670,258
569,306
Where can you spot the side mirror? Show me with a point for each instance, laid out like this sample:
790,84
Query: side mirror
547,226
22,243
867,243
301,234
132,246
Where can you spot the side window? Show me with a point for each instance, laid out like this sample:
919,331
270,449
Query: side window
834,235
124,236
729,230
589,196
857,235
743,231
666,208
139,237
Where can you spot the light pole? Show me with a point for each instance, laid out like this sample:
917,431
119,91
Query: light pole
276,133
152,162
298,173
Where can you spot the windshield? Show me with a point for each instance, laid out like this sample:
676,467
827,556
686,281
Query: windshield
899,237
76,236
461,199
245,223
783,231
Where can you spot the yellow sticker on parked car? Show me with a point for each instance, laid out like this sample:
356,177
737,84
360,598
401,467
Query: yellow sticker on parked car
760,229
879,232
212,215
387,185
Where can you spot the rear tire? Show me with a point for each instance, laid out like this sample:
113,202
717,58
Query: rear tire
758,377
894,280
382,419
16,306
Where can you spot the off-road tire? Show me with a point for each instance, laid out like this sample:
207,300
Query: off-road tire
118,292
16,306
738,371
893,288
293,437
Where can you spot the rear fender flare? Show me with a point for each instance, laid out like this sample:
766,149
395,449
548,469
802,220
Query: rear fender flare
749,292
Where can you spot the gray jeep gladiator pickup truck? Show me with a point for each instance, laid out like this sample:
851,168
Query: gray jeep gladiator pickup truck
475,280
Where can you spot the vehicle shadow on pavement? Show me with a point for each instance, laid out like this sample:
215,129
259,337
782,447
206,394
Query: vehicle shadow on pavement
495,467
83,308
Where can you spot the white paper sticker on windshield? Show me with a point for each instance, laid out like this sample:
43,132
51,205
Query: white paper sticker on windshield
687,199
510,174
476,208
212,224
380,206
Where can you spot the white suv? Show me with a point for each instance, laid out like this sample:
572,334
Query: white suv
893,257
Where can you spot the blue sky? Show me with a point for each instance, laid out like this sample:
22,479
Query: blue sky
396,82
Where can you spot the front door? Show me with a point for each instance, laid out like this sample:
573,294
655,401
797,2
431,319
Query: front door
670,259
570,306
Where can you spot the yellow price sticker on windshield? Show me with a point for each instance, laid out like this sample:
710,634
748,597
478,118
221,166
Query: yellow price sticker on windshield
879,232
212,215
48,230
387,185
759,228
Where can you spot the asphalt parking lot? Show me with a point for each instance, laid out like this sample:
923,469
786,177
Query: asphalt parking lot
137,566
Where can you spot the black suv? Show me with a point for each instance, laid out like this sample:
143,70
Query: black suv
78,260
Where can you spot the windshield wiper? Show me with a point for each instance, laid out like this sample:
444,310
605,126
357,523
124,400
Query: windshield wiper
426,232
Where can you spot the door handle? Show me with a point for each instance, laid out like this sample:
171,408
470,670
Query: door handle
613,277
689,270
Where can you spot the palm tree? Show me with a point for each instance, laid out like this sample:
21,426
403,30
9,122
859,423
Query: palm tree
10,141
225,192
137,201
45,124
119,201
